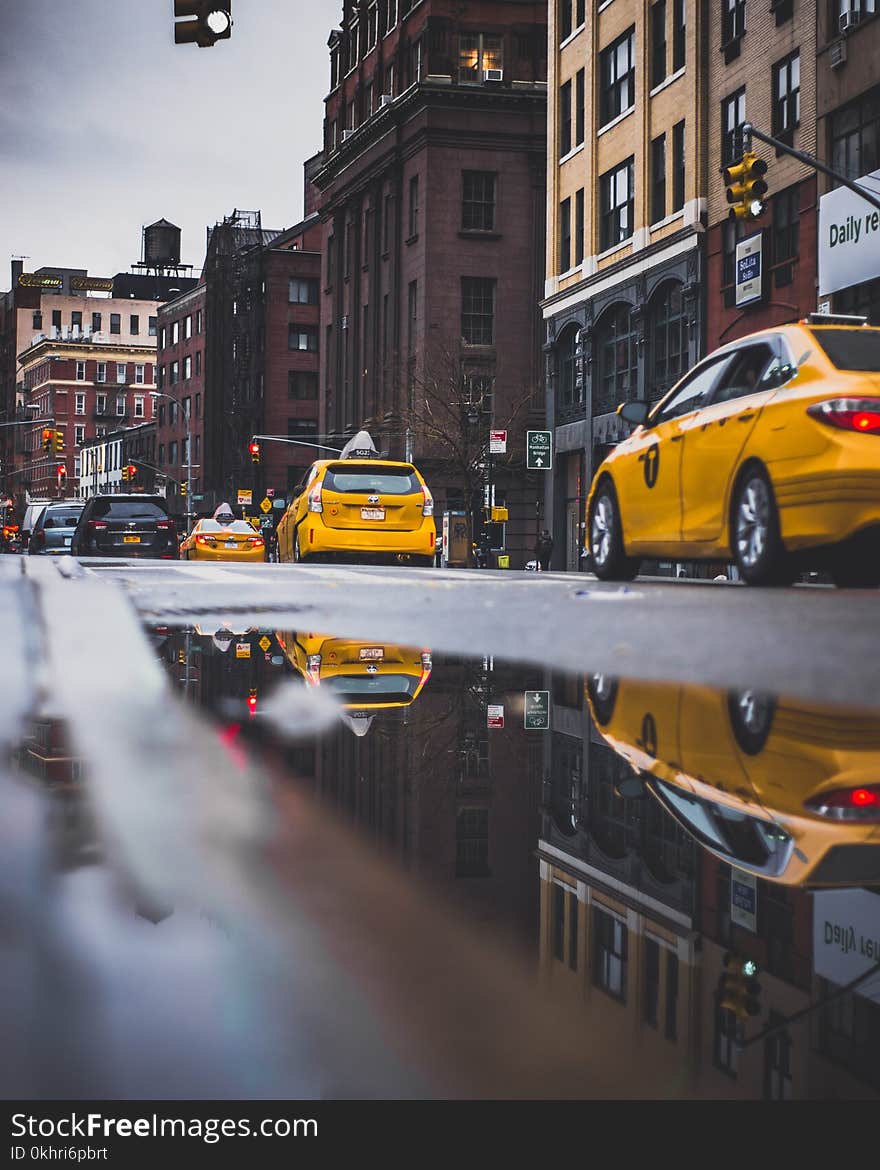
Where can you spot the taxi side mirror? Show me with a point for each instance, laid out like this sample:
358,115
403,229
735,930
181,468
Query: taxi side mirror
778,376
634,412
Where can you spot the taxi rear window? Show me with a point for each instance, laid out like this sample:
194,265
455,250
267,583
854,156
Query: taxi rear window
855,349
369,481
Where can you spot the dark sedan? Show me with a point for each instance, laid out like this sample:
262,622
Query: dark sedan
53,531
125,526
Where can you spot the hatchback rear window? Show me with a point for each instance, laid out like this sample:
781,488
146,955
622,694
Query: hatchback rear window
54,519
852,349
366,481
128,510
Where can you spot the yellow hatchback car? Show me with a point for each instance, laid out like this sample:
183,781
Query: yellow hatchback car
211,541
784,789
359,505
767,453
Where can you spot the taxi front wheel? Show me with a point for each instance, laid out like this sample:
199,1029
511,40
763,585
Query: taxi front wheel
757,545
610,563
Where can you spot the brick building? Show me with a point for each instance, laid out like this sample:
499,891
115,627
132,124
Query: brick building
433,225
762,70
181,384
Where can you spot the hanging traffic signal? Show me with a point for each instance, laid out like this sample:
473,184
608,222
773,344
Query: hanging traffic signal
738,990
47,438
202,22
125,474
61,471
132,472
252,702
183,489
58,441
746,187
254,449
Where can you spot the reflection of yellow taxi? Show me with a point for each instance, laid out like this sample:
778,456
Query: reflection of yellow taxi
362,675
785,789
359,504
233,541
767,453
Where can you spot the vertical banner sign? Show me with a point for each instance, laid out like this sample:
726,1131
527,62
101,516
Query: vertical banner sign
749,276
539,450
744,900
537,710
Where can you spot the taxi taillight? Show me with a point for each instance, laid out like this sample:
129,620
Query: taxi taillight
315,504
847,804
209,540
313,668
428,505
849,414
256,541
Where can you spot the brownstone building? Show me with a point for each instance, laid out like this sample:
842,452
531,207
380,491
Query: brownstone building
432,213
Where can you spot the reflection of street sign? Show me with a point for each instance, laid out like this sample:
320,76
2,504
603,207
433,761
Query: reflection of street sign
264,643
266,504
537,710
278,504
539,450
494,715
744,899
497,442
242,649
245,496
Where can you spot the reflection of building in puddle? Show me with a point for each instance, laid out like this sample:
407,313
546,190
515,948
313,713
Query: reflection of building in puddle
223,670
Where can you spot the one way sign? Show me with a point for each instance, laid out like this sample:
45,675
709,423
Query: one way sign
539,451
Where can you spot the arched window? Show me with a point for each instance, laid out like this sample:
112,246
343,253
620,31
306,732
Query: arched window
570,392
617,374
668,337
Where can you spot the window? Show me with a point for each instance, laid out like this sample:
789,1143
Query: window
855,136
616,205
658,42
198,406
729,1035
565,235
302,292
139,406
302,337
671,1031
372,24
56,318
652,982
849,1031
617,77
175,330
616,350
120,405
787,95
79,404
733,20
161,455
198,320
733,114
80,371
580,16
413,206
198,362
658,179
37,321
579,227
161,414
302,384
101,372
152,324
478,201
679,35
785,233
415,62
777,1061
162,338
139,375
172,453
609,954
391,16
188,327
79,435
694,392
478,52
134,324
472,842
668,337
579,108
96,322
121,372
477,310
572,931
678,167
564,119
187,408
558,922
76,320
115,323
174,373
412,308
187,367
389,79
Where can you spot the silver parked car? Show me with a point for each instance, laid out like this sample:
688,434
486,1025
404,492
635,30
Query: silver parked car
54,529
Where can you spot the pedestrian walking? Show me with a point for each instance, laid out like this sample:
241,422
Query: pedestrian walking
543,549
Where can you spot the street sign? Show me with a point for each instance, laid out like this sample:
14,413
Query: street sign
748,280
242,649
264,643
744,899
537,710
245,496
497,442
266,504
539,450
494,715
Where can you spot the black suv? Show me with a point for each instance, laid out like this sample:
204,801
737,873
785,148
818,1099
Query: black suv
125,526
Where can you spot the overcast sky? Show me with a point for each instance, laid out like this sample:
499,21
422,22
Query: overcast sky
106,125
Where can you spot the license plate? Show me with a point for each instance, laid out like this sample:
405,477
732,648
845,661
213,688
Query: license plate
67,541
131,540
367,653
372,513
231,543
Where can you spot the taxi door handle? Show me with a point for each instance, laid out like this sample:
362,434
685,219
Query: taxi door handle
676,438
745,417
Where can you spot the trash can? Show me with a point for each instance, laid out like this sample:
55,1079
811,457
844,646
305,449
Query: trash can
502,560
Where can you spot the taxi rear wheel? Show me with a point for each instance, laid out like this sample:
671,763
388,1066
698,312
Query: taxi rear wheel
610,563
757,545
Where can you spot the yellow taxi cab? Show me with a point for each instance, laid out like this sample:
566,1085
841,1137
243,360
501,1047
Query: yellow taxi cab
219,540
766,453
784,789
366,677
359,504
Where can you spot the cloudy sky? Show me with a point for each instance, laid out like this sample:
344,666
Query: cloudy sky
106,125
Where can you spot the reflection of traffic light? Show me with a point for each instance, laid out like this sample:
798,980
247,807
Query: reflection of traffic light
47,439
205,21
746,187
254,449
183,489
181,657
252,702
738,991
61,471
58,441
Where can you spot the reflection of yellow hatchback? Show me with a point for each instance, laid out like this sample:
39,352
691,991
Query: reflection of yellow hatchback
784,789
211,541
359,504
361,674
768,452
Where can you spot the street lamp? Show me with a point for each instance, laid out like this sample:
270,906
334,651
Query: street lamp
154,394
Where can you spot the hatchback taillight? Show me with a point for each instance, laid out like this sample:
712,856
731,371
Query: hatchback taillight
256,541
315,504
849,414
428,505
847,804
206,540
96,525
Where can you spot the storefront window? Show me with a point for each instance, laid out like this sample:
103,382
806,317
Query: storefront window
668,330
617,374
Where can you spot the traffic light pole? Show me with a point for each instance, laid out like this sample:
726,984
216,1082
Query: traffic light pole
749,132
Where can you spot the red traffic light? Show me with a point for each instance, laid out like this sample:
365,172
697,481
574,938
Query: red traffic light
61,469
254,448
252,703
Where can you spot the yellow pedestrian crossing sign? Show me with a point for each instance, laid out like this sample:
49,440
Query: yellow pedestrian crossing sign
266,504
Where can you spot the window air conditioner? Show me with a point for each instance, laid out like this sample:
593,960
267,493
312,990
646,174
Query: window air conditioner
837,56
385,100
493,75
849,19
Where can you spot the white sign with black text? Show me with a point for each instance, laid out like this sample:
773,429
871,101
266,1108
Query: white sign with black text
849,237
846,938
748,275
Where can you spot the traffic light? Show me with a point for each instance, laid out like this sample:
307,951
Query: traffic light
202,22
183,489
746,187
132,472
58,441
61,471
47,438
738,990
254,449
252,702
